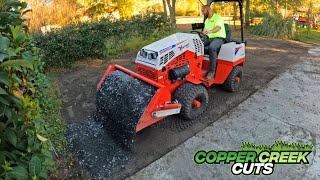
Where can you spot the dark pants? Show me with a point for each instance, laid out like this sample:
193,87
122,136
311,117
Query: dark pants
214,45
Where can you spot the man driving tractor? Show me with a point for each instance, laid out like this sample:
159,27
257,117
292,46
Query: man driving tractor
215,30
170,77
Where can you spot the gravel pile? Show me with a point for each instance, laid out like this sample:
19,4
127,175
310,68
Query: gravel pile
122,100
102,141
95,149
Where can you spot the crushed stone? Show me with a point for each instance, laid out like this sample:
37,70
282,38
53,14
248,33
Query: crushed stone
103,141
123,100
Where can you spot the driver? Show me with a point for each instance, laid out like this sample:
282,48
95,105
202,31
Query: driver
214,29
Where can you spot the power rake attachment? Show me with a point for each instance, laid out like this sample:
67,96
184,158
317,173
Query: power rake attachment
130,102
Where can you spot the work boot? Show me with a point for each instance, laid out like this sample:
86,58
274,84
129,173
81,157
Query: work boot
210,75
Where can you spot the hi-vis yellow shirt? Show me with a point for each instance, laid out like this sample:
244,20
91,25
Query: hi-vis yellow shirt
215,20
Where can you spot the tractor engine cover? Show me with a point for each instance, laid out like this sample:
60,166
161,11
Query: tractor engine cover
160,53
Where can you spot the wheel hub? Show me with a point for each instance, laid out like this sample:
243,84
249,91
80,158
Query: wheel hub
196,103
237,79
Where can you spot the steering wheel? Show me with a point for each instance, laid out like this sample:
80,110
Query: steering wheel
201,35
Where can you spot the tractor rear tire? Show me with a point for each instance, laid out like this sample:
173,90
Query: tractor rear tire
186,94
232,83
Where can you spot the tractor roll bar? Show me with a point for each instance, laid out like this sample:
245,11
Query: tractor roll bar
241,12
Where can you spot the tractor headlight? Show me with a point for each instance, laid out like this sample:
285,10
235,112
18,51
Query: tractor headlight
153,55
143,53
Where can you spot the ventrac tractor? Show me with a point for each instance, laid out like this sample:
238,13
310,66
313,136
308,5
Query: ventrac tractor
169,79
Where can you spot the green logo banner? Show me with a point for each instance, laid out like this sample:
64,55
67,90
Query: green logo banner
257,159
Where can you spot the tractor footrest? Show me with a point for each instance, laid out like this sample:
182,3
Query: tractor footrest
167,112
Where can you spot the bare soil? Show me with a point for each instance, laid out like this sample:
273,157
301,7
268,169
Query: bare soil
265,59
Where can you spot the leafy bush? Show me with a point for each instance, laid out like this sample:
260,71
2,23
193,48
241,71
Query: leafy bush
275,26
132,44
25,150
79,41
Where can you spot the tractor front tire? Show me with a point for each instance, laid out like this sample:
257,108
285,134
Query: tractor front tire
186,94
232,83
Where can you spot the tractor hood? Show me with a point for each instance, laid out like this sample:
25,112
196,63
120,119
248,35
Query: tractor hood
160,53
169,42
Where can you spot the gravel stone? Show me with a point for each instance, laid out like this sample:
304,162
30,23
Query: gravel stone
95,148
103,141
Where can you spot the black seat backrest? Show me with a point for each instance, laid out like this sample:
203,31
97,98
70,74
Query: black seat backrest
228,33
197,26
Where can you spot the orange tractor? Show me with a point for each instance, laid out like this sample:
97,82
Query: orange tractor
169,79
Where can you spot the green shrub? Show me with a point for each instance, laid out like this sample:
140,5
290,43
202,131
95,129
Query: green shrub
89,40
275,26
131,44
25,150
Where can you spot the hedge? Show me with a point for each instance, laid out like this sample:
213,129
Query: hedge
75,42
25,146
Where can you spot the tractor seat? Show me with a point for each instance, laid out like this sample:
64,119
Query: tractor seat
226,40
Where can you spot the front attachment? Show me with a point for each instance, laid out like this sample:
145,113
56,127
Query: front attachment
130,102
122,100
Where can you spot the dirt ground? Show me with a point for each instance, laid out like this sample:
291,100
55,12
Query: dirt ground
265,59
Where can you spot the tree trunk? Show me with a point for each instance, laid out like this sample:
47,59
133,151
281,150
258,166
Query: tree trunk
247,15
165,8
173,13
315,20
309,15
285,14
172,10
234,15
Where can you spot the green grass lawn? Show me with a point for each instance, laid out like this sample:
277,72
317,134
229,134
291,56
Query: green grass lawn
313,36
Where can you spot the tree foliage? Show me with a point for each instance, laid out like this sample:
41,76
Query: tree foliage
57,12
98,8
284,7
188,8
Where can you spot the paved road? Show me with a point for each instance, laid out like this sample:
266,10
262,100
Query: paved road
288,108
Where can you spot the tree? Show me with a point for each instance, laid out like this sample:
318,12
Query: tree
125,7
97,8
171,4
247,14
235,7
309,15
165,7
45,12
